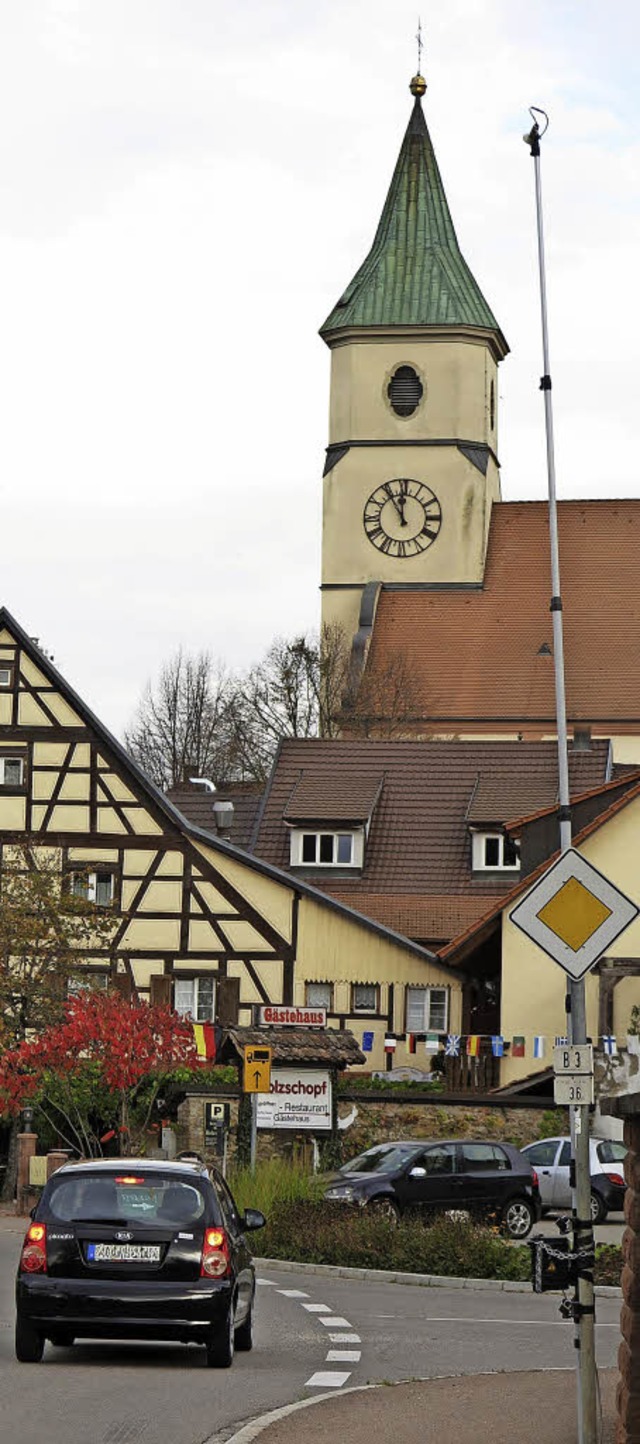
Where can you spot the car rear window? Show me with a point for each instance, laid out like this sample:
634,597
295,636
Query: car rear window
137,1198
611,1152
483,1157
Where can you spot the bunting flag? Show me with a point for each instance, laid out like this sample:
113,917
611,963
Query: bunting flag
609,1044
561,1042
432,1043
204,1034
473,1045
497,1045
452,1045
518,1046
538,1046
411,1042
367,1042
389,1044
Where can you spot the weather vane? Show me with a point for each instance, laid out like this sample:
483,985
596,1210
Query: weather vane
420,45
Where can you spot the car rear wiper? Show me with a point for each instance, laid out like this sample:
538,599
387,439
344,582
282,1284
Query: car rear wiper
114,1221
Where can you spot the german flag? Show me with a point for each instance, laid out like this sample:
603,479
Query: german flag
204,1034
473,1045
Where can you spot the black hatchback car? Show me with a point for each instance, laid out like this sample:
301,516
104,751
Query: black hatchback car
480,1178
132,1248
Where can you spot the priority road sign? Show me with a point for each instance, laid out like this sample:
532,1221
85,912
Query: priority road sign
257,1069
574,913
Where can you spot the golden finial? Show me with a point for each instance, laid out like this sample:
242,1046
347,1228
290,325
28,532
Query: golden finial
418,84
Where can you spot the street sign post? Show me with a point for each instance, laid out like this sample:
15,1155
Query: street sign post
256,1079
574,914
217,1117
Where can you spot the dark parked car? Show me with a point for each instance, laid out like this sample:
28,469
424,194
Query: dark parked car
429,1177
128,1248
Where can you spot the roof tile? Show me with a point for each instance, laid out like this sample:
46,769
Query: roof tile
476,653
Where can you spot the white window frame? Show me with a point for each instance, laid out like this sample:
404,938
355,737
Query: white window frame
325,1000
90,889
298,835
478,862
414,994
365,1008
6,677
193,1009
3,764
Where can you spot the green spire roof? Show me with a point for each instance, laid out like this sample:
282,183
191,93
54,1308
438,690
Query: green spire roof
415,273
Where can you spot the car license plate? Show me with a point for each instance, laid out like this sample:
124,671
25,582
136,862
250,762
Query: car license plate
123,1252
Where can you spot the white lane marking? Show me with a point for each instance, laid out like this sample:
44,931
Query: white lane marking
293,1294
525,1323
327,1380
345,1338
344,1356
317,1308
267,1283
334,1322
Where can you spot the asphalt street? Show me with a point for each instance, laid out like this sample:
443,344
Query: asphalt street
314,1333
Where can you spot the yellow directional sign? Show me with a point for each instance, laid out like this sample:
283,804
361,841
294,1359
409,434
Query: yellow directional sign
257,1069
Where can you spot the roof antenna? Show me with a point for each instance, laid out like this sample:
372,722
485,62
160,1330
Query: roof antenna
420,45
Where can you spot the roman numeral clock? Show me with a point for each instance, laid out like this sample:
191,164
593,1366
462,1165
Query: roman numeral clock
402,517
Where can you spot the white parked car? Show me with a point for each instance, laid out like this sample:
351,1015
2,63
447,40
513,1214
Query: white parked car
551,1158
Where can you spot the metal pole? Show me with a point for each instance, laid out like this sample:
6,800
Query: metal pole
254,1131
576,1006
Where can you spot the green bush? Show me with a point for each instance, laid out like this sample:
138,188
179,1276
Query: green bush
308,1229
608,1267
314,1231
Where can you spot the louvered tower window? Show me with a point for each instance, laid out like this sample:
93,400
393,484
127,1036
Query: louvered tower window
405,391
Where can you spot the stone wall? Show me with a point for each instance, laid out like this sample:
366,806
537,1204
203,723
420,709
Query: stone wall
373,1122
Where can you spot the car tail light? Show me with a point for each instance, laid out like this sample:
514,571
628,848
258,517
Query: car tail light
33,1259
536,1181
216,1259
617,1179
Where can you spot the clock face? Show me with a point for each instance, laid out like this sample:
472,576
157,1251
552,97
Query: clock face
402,517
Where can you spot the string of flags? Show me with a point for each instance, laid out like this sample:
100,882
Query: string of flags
456,1045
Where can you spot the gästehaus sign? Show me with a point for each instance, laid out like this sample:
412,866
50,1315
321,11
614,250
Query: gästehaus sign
299,1098
292,1017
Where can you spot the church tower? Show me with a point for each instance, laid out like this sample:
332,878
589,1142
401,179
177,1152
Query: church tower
412,467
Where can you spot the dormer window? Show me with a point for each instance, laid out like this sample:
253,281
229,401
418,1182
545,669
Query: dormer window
493,852
310,848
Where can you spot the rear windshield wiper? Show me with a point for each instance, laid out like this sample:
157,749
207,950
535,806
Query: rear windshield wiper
114,1221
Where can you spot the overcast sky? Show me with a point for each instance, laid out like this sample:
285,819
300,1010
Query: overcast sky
186,187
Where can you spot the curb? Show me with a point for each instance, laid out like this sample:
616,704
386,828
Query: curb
254,1427
247,1432
421,1281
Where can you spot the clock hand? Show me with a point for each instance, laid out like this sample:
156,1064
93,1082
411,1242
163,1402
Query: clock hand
398,501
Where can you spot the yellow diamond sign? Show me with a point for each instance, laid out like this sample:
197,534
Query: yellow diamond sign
574,914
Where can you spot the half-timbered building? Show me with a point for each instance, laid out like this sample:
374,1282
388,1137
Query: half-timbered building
197,921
